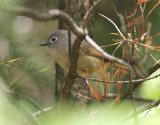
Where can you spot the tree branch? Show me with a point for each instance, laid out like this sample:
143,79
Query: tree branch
51,15
55,14
124,82
72,74
150,71
108,56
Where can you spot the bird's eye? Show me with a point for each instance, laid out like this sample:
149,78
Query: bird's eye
54,39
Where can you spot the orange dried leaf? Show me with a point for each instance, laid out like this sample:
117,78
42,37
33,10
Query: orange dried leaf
110,45
142,1
113,34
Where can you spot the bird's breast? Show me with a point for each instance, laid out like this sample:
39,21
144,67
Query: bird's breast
61,57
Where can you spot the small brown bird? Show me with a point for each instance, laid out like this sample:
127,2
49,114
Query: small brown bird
90,59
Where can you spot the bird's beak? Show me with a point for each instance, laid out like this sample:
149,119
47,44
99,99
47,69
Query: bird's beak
44,44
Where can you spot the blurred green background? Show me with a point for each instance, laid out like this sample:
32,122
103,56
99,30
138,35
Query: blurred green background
35,73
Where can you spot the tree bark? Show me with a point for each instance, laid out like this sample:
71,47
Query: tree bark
76,9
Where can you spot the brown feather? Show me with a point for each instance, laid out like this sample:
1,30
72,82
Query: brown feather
88,49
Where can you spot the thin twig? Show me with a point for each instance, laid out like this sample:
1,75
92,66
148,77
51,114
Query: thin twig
124,82
40,112
143,108
122,20
44,110
114,26
31,118
150,71
32,102
113,96
89,13
143,27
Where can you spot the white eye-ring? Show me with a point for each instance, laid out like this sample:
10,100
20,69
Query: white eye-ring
54,39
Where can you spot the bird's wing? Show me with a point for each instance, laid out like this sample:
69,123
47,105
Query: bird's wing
88,49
